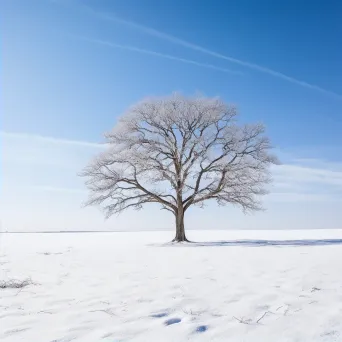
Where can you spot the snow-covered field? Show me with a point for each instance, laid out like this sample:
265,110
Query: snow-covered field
110,287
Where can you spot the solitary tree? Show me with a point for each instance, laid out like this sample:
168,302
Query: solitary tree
180,151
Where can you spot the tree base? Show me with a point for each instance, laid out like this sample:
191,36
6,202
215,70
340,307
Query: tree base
180,240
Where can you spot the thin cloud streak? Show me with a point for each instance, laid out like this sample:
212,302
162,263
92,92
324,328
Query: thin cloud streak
48,188
302,174
52,140
294,197
198,48
158,54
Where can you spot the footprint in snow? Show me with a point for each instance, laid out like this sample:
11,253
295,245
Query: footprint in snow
201,328
159,315
172,321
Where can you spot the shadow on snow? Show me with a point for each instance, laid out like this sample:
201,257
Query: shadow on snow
260,243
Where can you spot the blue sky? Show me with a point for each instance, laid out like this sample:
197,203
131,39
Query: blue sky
71,67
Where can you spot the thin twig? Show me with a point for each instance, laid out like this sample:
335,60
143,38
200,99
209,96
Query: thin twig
265,313
107,311
241,320
46,312
19,291
193,313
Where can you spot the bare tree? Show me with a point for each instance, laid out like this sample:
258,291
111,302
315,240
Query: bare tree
180,151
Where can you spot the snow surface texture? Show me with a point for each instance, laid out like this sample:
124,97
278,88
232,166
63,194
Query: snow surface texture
111,287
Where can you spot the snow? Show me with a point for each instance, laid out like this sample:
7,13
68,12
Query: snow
134,286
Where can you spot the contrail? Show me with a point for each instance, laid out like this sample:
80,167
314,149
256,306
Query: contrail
158,54
52,140
184,43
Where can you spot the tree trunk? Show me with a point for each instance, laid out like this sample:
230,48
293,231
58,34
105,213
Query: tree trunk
180,231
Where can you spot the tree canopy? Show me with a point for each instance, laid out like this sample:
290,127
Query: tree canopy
180,151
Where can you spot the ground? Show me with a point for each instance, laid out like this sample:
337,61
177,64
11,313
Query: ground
111,287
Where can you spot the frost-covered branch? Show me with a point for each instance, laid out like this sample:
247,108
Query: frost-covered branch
179,151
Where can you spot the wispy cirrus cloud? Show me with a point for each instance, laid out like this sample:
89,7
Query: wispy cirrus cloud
181,42
322,174
293,197
56,189
46,139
